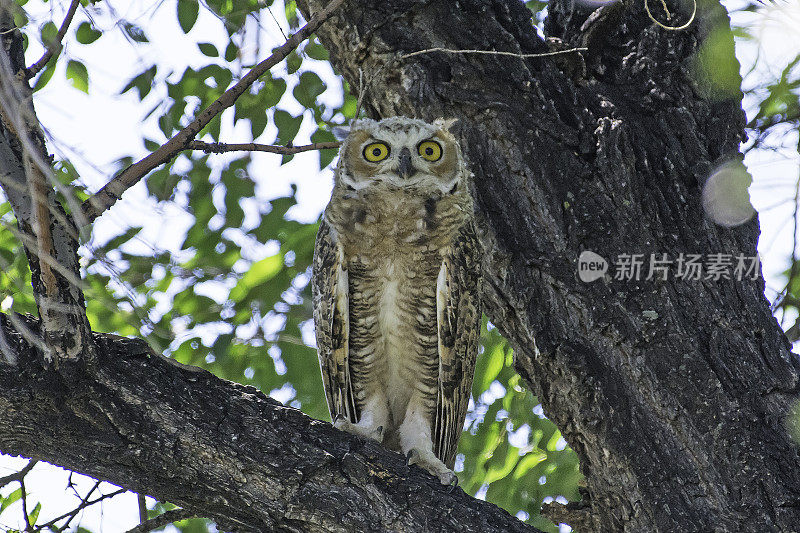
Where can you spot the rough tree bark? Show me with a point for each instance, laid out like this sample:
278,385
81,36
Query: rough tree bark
674,393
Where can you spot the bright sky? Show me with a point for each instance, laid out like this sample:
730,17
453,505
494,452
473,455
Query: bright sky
94,130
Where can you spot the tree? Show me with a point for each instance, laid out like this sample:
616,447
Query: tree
674,394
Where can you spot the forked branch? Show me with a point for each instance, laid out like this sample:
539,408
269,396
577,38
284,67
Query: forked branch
54,46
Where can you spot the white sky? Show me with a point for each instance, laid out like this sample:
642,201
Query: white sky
94,130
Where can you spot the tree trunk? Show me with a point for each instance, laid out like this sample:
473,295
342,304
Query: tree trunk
675,393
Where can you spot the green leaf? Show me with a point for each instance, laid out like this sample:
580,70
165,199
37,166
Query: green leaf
314,50
46,73
528,461
48,32
308,89
231,51
86,34
325,156
134,32
499,470
716,67
288,126
293,62
259,273
143,82
10,499
34,514
78,75
290,10
119,240
208,49
20,19
187,14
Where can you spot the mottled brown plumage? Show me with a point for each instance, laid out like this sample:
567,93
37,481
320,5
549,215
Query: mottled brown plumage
395,284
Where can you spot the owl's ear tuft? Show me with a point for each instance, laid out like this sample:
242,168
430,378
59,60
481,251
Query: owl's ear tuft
446,123
340,132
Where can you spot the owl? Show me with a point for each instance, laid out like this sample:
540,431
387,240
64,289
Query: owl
395,290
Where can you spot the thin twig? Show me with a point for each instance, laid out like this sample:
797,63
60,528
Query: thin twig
494,52
53,47
65,525
218,148
669,16
278,24
24,493
17,476
142,501
82,506
364,87
158,522
111,192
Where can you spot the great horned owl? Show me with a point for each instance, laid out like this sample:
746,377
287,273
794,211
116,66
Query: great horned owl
395,285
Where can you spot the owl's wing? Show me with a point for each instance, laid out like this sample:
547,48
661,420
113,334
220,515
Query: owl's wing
458,316
330,290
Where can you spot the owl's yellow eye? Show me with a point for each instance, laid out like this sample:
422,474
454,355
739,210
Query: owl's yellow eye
430,150
375,152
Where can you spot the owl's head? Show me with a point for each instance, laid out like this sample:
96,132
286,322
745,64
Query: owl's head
401,152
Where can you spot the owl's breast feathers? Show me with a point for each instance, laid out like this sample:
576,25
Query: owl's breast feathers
388,221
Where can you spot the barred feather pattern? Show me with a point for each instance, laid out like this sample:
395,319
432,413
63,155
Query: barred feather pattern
395,285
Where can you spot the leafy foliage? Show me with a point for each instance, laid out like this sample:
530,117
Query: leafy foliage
511,453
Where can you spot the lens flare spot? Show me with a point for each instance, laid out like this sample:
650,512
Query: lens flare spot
726,198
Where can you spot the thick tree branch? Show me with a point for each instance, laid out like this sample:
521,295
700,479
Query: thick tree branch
111,192
247,462
56,45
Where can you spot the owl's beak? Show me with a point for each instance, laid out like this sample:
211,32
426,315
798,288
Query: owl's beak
406,168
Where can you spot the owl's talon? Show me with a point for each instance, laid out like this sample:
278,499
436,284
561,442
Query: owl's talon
412,457
379,434
453,484
428,461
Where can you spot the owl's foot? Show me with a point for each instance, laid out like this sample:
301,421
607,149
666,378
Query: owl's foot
366,431
431,463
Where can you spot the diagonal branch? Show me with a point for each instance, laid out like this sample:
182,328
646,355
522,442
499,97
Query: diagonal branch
56,45
111,192
83,505
75,512
246,461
